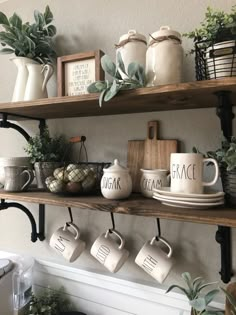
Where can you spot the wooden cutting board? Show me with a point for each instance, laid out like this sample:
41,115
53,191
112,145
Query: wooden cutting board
231,288
135,162
157,152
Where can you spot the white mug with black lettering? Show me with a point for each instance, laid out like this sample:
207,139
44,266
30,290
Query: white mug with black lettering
153,179
66,242
110,253
187,172
152,259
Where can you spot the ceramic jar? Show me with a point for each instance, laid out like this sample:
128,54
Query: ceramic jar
153,179
132,47
116,182
164,57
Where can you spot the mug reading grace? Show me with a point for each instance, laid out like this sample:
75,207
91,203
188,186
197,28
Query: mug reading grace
187,172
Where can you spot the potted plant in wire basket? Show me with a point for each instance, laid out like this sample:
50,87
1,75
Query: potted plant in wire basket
215,45
46,154
33,47
226,158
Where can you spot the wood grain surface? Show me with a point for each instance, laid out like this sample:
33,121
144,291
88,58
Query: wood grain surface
157,152
135,155
135,205
191,95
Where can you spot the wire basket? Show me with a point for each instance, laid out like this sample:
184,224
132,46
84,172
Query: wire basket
81,178
215,61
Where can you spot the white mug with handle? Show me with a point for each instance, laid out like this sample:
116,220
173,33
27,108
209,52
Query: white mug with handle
153,260
110,253
66,242
187,172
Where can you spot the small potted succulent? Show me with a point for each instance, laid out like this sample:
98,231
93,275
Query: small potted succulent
215,44
226,158
46,154
199,301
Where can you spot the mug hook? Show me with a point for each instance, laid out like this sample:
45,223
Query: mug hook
71,216
158,229
113,222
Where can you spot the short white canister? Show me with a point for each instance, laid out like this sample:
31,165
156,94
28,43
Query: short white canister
164,58
132,47
116,182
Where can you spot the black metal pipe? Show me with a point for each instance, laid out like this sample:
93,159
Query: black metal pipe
41,232
7,124
5,205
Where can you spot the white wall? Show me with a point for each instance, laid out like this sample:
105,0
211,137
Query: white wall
97,24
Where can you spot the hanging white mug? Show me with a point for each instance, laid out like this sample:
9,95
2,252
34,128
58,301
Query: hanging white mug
36,86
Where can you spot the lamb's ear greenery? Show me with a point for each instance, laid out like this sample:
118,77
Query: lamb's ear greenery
133,78
193,291
33,41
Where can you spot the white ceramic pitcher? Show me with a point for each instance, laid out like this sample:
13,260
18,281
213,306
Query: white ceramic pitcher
36,86
22,77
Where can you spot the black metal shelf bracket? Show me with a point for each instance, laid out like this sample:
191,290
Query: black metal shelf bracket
223,237
34,234
224,111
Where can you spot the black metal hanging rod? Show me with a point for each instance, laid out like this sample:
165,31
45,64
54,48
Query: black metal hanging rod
34,234
4,123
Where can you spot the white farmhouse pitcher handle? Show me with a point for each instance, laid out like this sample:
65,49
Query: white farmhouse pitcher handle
47,70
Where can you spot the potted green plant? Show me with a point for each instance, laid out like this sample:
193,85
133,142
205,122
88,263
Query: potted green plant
226,158
133,78
46,154
216,38
50,302
193,290
34,51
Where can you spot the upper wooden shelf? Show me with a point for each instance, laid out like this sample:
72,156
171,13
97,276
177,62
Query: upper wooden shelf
191,95
135,205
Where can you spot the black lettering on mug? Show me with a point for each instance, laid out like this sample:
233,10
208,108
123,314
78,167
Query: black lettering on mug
102,253
149,184
149,264
111,183
183,171
61,246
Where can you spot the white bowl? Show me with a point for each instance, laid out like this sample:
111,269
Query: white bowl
12,161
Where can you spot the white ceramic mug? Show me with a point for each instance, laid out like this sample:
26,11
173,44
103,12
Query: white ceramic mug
153,179
152,259
187,172
67,243
108,252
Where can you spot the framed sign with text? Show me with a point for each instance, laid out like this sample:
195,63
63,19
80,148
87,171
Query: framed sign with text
76,72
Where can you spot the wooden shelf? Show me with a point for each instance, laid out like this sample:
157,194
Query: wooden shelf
191,95
135,205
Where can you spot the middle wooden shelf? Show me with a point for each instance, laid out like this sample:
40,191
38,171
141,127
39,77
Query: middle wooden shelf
135,205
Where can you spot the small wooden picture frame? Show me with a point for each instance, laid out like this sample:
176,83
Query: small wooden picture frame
76,72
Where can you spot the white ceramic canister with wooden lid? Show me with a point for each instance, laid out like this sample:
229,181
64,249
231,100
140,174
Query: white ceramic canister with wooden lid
164,58
133,47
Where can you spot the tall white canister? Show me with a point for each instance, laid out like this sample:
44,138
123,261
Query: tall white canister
133,47
164,58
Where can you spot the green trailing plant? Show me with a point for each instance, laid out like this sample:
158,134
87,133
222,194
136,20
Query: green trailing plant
193,290
33,41
225,156
217,26
133,78
48,302
44,148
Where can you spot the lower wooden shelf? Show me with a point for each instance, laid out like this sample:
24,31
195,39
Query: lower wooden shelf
135,205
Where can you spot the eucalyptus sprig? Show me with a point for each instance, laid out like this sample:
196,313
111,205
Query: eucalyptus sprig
193,291
133,78
33,41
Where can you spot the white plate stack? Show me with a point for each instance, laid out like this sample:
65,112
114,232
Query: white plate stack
206,200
